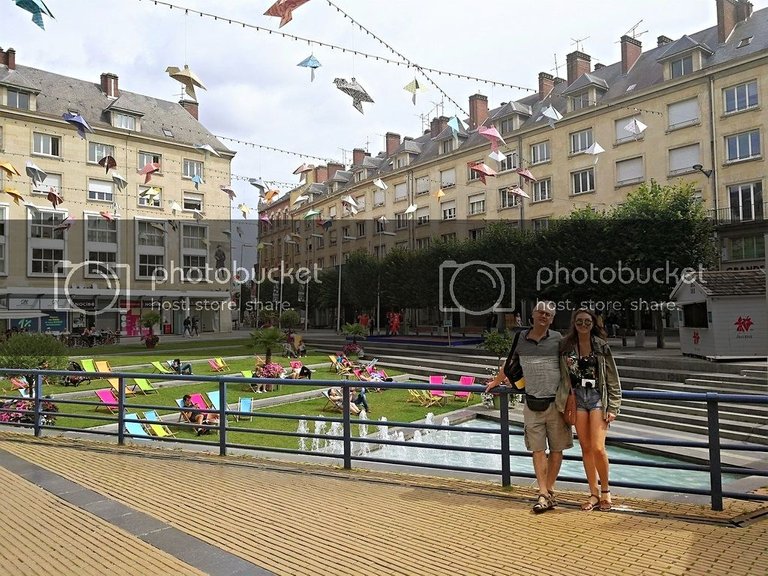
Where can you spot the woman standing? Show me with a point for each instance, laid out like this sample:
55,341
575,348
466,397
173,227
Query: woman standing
587,366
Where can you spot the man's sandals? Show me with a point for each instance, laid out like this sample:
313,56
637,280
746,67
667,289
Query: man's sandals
545,502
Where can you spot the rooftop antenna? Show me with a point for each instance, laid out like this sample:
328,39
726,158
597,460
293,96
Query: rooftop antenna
579,42
557,67
632,32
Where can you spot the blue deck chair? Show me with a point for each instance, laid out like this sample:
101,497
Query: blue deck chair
214,397
244,405
134,428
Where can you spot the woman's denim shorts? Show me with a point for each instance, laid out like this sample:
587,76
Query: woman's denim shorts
588,399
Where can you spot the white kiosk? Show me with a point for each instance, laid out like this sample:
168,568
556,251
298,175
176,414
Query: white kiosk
723,314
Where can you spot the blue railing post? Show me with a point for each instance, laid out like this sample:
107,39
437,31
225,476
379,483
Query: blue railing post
506,479
347,426
223,418
37,404
121,411
715,472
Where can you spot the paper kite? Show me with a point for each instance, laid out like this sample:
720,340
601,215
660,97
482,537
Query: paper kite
197,180
54,198
311,214
414,87
270,195
32,208
302,171
635,127
78,122
150,194
107,215
173,224
37,8
353,88
490,133
228,191
66,224
15,195
239,231
35,174
498,156
108,163
517,191
482,170
326,224
350,203
207,148
187,78
312,63
379,183
411,209
9,169
175,207
526,174
148,170
244,209
439,194
301,199
197,215
284,10
264,217
456,125
595,149
552,114
119,181
258,183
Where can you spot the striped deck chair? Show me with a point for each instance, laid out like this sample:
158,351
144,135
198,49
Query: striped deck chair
143,385
108,400
215,365
18,383
156,426
157,365
464,396
134,428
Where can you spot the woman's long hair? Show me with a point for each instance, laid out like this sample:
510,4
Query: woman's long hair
571,337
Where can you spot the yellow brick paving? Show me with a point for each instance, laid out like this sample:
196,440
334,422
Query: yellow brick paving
294,522
44,535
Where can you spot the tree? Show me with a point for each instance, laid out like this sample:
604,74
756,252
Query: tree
497,343
31,351
266,339
149,320
290,319
355,330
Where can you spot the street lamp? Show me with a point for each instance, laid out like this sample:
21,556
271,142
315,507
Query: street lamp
306,288
338,301
286,240
378,279
700,168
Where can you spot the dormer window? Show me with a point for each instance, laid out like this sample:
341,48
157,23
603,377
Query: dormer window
402,161
681,66
446,147
581,100
507,125
124,121
17,99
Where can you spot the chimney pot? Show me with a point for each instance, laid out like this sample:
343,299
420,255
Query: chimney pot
109,85
663,40
546,84
321,174
478,110
191,106
631,49
392,142
11,59
730,13
578,64
357,156
333,167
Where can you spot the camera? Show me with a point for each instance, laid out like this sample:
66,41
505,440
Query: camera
476,287
588,383
72,290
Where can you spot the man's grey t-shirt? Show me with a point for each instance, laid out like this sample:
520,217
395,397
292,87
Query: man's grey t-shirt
540,363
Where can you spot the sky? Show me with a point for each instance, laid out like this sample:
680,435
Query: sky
256,93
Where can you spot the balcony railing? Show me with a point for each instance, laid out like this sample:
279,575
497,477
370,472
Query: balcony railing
736,216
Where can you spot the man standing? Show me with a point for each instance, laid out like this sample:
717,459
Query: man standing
537,352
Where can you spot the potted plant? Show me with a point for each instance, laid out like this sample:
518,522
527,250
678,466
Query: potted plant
266,340
354,331
149,321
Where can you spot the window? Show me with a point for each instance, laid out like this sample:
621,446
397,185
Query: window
192,201
167,132
402,161
446,147
422,243
746,201
401,221
746,248
46,145
477,204
401,192
422,185
194,252
193,267
622,134
150,234
124,121
52,182
682,159
3,241
360,200
101,231
473,175
151,265
98,151
149,158
378,198
741,97
681,66
150,197
542,190
360,229
583,181
580,101
507,125
475,233
507,199
332,238
100,244
192,168
46,243
628,171
509,162
540,224
45,260
18,100
682,114
332,212
581,140
101,190
743,146
450,237
422,216
448,210
540,152
448,178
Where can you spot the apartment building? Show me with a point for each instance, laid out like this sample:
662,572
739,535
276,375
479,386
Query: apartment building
88,243
687,109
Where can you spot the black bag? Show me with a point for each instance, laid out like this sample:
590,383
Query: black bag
512,368
538,404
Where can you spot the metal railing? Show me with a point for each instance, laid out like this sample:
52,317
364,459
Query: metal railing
34,415
757,213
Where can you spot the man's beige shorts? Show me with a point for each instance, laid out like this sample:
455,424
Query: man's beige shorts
546,428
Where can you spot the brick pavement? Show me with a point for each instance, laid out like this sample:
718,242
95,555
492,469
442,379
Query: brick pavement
306,520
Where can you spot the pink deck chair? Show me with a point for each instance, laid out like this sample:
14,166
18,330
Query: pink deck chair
462,395
199,401
436,380
215,365
296,364
108,400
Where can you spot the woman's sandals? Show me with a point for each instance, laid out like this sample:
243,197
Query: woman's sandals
592,503
605,504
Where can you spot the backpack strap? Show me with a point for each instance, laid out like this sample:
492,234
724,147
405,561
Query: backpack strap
508,363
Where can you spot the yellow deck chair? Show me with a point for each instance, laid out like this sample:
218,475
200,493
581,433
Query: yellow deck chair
157,365
104,366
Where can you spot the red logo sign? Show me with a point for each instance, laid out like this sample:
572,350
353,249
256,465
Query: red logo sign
743,324
696,337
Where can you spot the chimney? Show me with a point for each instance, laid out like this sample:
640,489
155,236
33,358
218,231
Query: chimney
357,156
631,48
437,125
333,168
8,58
190,106
730,13
599,66
663,40
393,143
109,85
578,64
321,174
558,80
478,110
546,84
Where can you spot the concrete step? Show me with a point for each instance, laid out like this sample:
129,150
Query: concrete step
654,373
732,387
723,388
644,419
762,374
680,363
748,413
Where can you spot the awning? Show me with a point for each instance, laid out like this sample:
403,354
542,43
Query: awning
21,314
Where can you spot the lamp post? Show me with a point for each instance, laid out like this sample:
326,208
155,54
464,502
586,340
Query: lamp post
306,288
338,301
378,278
286,240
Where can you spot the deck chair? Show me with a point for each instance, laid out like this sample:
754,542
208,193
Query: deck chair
463,395
134,428
18,383
104,366
200,401
221,362
215,365
428,400
143,385
157,365
436,380
88,365
254,387
156,426
340,368
244,405
215,399
108,400
415,397
330,404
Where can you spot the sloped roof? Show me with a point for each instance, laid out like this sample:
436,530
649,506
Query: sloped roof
681,46
728,282
586,80
18,79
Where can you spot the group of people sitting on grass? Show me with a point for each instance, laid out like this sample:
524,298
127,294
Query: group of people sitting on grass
357,399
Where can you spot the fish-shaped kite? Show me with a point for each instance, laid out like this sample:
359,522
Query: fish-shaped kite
553,115
283,9
9,169
414,87
526,174
37,8
258,183
228,191
490,133
312,63
245,209
595,149
119,181
187,78
148,170
197,180
35,174
66,224
635,127
54,198
13,193
107,215
482,170
355,90
380,184
207,148
108,162
78,122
